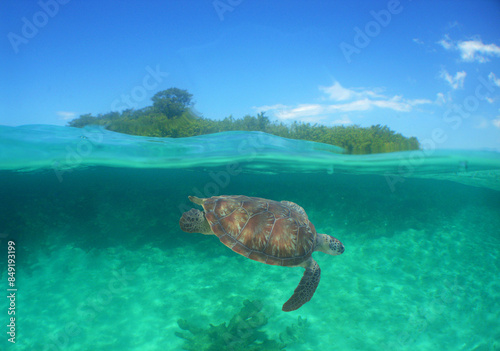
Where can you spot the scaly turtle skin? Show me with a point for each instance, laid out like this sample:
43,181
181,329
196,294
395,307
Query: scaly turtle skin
267,231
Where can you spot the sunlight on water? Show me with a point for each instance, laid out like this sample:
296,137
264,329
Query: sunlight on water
38,147
102,264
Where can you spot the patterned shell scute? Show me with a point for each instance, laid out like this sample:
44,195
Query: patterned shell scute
262,230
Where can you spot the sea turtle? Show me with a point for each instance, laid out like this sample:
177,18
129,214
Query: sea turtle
271,232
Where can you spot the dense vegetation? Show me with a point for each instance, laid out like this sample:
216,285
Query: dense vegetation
171,116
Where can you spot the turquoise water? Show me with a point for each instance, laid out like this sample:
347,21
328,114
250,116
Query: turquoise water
101,263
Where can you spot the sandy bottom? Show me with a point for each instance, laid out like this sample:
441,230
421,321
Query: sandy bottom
427,289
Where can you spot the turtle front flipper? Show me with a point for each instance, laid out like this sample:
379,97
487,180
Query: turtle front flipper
194,221
306,288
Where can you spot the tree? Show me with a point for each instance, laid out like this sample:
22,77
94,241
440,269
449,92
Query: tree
83,120
171,116
263,121
172,102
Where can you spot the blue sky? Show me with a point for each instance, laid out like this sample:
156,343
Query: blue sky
429,69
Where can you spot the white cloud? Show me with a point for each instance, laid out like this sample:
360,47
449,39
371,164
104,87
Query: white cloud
343,120
364,99
453,24
493,78
396,103
66,115
471,50
482,124
357,105
353,100
496,122
440,99
337,92
299,112
276,107
455,82
418,41
475,50
446,42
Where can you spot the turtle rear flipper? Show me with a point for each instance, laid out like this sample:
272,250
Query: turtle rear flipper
196,200
194,221
306,288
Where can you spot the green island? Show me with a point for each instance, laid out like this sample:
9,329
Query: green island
171,116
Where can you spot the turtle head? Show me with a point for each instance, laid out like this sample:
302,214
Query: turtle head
329,245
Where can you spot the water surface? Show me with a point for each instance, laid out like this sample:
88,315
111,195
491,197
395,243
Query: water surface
102,264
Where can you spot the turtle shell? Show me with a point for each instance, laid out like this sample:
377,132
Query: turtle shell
272,232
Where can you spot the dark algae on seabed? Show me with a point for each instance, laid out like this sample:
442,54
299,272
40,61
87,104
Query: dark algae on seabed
242,333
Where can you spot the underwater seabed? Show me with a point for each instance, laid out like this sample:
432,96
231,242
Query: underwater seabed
103,265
